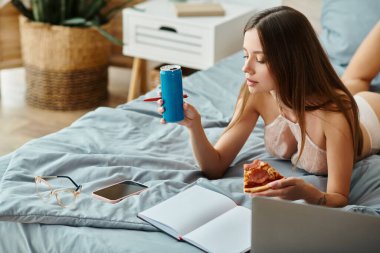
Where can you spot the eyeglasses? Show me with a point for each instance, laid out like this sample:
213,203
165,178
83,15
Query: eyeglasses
64,196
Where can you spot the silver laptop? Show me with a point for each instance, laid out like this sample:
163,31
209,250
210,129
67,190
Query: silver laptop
283,226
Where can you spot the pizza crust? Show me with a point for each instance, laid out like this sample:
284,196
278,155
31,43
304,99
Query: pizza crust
257,189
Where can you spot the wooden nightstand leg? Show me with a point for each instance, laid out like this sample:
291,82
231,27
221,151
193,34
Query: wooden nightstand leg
143,86
138,79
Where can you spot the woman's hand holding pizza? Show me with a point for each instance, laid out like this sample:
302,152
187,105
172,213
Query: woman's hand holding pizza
292,188
261,179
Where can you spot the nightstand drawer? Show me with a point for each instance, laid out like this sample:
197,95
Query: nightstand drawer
153,31
164,40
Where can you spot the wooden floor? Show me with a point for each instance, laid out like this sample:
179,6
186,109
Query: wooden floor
20,123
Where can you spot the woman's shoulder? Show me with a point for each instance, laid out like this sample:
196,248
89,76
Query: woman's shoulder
332,120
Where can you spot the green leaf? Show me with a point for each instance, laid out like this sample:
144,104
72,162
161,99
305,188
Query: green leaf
71,12
36,10
75,22
108,36
95,8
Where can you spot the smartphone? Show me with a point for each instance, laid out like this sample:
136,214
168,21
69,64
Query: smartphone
116,192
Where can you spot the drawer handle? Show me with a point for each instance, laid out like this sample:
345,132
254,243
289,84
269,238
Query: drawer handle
168,29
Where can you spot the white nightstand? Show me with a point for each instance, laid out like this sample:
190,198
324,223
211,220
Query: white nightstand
152,31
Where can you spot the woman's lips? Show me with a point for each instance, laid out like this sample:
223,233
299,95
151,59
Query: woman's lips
251,82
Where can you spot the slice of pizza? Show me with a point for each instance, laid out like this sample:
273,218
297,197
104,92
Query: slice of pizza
257,175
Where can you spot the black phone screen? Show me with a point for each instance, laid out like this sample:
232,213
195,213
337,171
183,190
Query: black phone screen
120,190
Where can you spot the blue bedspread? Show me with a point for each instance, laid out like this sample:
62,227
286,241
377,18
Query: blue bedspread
109,145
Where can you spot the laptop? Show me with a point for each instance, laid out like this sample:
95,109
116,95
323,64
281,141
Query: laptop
284,226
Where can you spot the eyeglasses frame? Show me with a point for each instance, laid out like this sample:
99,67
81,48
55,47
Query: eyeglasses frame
53,191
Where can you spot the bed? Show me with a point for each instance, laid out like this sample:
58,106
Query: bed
108,145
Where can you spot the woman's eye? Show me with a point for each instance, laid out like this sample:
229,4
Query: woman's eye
260,59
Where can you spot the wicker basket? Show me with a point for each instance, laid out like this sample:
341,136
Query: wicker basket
66,68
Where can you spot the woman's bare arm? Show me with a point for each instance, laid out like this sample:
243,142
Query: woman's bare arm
214,160
340,159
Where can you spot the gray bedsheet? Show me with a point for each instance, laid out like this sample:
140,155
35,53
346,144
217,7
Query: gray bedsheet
109,145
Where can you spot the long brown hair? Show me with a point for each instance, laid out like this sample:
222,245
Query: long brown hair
306,80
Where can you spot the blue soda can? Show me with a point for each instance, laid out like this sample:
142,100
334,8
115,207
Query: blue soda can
172,93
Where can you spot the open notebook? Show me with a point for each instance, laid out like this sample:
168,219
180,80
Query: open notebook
207,219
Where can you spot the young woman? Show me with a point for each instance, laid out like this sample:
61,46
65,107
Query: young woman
310,116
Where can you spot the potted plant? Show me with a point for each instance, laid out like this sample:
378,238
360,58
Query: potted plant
66,48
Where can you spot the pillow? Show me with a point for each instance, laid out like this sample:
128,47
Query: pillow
345,23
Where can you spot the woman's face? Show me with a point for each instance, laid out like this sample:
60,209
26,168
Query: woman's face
259,78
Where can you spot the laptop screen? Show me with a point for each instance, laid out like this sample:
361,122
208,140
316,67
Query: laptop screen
284,226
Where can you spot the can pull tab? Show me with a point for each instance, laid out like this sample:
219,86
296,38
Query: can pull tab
168,29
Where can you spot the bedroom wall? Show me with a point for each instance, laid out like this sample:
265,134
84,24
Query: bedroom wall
310,8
